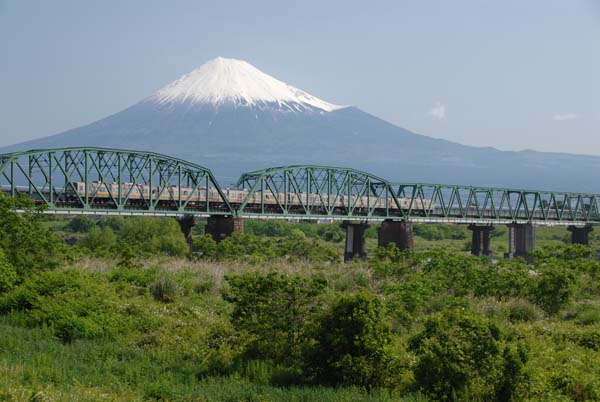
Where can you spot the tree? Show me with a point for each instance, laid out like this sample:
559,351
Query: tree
352,344
459,354
99,239
275,309
8,273
81,224
28,246
556,286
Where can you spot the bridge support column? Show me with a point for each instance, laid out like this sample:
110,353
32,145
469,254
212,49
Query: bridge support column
220,227
580,235
398,232
187,223
521,240
355,240
480,243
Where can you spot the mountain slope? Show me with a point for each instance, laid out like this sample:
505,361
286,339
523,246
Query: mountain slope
231,117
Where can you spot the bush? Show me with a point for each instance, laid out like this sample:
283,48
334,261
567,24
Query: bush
587,314
555,287
81,224
8,274
520,310
28,246
276,310
205,246
164,289
352,344
461,357
143,235
100,240
72,304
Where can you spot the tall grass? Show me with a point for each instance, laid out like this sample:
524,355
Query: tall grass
35,367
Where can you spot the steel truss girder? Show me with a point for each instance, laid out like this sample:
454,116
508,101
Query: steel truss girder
49,176
325,192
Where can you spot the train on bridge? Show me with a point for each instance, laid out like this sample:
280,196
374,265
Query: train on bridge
101,192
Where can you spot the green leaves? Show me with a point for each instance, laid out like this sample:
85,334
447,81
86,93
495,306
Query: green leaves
27,245
352,344
275,310
461,356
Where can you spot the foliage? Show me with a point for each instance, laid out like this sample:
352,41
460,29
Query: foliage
164,289
459,354
99,240
275,310
8,274
279,228
154,235
81,224
352,344
72,304
28,246
555,287
132,237
440,232
249,247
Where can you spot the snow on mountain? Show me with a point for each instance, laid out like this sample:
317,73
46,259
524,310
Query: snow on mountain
236,82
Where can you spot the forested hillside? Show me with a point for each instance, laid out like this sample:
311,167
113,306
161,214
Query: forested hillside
117,309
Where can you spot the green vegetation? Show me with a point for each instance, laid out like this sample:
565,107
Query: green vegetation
127,314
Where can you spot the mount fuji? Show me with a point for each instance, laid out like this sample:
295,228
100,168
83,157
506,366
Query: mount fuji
231,117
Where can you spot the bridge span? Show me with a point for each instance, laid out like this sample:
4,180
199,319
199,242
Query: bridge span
100,181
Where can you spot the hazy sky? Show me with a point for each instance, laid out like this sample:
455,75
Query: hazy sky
511,74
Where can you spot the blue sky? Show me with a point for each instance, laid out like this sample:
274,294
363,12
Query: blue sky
510,74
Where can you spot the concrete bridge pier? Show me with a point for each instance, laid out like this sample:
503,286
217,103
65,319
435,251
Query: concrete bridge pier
187,223
480,243
355,240
219,226
398,232
521,240
580,235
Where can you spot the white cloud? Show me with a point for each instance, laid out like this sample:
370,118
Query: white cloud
565,116
438,111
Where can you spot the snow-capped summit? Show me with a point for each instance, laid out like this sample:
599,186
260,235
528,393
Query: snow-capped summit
237,83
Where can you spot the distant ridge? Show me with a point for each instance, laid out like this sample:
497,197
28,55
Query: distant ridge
231,117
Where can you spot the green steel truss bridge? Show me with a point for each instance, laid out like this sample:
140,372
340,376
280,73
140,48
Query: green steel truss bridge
101,181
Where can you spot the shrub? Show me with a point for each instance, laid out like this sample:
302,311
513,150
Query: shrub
137,277
72,304
99,239
522,310
164,289
205,246
458,354
152,235
588,314
8,273
81,224
555,288
275,309
28,246
352,344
